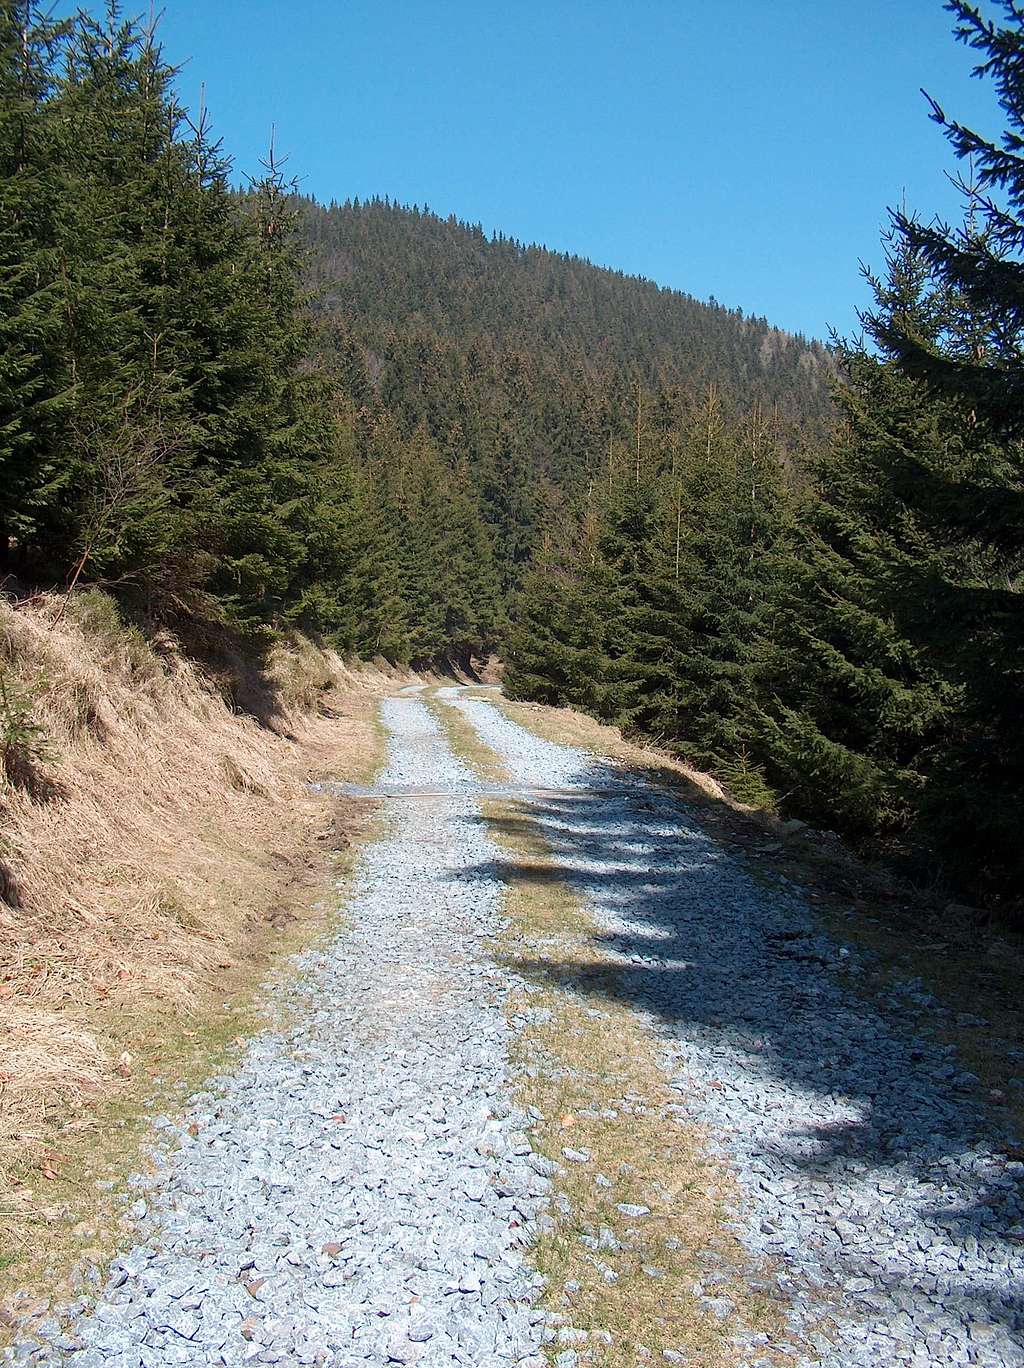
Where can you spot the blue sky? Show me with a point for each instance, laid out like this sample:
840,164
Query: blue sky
747,151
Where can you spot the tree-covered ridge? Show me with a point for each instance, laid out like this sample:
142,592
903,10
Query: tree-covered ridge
533,372
386,266
178,423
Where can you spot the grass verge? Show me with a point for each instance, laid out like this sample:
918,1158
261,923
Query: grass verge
465,742
63,1219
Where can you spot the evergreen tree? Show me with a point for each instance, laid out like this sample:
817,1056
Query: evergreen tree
34,385
973,505
850,707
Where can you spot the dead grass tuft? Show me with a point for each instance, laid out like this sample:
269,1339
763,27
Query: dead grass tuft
49,1067
10,893
302,674
239,778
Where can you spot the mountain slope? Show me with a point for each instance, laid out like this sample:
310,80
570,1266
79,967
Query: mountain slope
531,373
381,265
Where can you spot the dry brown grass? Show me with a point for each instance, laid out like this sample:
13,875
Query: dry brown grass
67,1211
152,856
52,1063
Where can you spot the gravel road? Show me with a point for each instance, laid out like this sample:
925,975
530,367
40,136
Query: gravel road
868,1172
359,1190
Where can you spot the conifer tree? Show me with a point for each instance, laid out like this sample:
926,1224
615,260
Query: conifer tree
34,385
973,502
849,705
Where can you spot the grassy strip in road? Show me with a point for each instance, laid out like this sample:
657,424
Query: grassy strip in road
466,744
640,1221
640,1224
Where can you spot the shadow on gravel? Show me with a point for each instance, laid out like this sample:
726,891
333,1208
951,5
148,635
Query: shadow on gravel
817,1091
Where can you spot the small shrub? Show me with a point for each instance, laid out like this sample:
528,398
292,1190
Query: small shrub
746,783
171,904
24,743
140,659
301,673
98,616
102,625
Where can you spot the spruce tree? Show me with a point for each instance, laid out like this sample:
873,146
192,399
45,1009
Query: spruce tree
973,502
34,383
849,707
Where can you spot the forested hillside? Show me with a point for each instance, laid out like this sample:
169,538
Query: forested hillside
163,432
850,648
437,300
242,412
533,371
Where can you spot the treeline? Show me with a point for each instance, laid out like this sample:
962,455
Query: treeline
242,410
850,647
166,428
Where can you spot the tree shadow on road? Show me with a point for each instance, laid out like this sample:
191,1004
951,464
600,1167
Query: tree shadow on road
739,979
